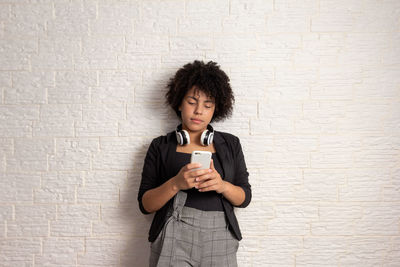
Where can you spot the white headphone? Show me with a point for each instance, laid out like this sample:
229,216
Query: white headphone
182,136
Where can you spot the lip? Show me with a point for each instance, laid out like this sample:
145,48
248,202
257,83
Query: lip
196,120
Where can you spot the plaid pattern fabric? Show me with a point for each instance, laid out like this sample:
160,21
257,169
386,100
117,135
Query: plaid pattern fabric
193,237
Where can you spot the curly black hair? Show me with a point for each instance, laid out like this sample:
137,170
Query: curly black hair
208,78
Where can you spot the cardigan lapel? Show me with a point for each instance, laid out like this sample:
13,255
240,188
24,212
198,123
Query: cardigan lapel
167,150
222,151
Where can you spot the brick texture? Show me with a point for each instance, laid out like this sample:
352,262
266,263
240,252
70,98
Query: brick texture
317,87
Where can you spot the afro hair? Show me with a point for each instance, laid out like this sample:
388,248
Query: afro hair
208,78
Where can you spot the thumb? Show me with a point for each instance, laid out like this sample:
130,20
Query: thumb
212,164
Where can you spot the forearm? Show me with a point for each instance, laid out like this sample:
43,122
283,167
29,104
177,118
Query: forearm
235,194
154,199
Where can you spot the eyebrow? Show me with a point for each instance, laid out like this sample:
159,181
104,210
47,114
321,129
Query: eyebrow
208,100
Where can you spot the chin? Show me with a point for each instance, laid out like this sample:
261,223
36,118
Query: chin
196,127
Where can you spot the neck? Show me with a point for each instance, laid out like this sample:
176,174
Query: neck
194,136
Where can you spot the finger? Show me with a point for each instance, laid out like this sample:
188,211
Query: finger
202,179
212,164
208,188
199,172
193,165
206,184
205,177
190,180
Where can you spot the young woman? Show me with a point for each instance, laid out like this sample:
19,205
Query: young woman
194,222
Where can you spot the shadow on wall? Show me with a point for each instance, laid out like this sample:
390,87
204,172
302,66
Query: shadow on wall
135,248
154,119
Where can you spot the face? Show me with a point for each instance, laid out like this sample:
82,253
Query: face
197,110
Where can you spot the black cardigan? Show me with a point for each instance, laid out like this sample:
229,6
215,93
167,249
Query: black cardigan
155,172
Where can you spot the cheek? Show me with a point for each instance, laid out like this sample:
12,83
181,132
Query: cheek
186,111
210,115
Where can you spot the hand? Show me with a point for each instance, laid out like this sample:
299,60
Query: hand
211,181
185,179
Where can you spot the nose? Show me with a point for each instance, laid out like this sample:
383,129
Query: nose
198,109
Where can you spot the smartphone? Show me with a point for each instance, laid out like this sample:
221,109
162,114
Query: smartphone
202,157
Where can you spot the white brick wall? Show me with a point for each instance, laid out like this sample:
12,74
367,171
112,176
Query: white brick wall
317,109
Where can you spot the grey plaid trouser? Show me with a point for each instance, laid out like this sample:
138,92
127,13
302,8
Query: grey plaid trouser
193,237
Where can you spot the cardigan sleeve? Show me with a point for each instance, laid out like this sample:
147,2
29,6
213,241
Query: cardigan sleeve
241,174
149,174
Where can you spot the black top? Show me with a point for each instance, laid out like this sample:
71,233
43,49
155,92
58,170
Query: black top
210,200
156,172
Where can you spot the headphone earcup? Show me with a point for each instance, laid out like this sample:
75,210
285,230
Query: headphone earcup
182,136
186,137
204,140
207,136
179,138
210,138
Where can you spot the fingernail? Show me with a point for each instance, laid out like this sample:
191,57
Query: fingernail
209,170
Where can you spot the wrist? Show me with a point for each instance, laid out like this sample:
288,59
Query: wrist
224,187
174,185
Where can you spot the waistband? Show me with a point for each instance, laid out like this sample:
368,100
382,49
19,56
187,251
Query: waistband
205,220
200,219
